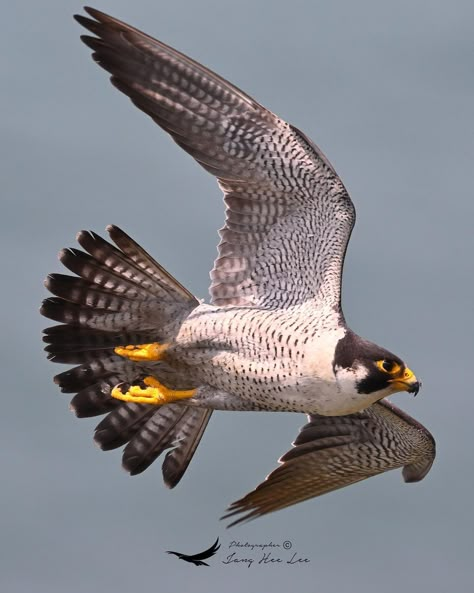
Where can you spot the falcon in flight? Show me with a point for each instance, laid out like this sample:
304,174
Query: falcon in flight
273,338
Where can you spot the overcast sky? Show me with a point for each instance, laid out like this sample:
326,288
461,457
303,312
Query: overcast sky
386,89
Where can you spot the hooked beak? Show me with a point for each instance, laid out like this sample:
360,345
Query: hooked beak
406,381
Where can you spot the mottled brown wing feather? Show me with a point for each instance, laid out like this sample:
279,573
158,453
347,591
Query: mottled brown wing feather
333,452
288,217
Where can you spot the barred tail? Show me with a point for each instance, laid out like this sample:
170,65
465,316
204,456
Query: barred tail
120,296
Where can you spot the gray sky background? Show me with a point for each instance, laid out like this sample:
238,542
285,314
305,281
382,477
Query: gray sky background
386,89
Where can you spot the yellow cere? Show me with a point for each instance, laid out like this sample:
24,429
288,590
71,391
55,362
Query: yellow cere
408,375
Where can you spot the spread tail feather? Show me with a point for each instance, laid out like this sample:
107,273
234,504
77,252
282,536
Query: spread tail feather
120,295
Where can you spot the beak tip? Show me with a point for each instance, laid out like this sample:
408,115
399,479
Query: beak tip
415,388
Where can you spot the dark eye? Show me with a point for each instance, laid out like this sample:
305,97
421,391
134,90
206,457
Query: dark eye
388,366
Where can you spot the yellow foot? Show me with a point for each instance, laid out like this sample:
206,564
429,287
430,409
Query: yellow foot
154,393
142,352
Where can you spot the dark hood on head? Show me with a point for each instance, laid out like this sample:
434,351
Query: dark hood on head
352,348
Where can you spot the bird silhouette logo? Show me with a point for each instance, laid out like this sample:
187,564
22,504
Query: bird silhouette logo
198,559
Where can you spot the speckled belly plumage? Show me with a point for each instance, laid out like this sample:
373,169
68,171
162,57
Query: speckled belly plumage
271,360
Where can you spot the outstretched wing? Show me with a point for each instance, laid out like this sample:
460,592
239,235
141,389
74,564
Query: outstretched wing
334,452
198,559
207,553
288,215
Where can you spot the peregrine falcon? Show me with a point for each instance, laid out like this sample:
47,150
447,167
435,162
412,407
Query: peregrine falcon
273,338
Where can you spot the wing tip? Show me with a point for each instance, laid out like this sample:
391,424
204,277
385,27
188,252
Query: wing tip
246,514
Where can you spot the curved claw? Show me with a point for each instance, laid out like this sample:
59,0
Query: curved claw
153,393
142,352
